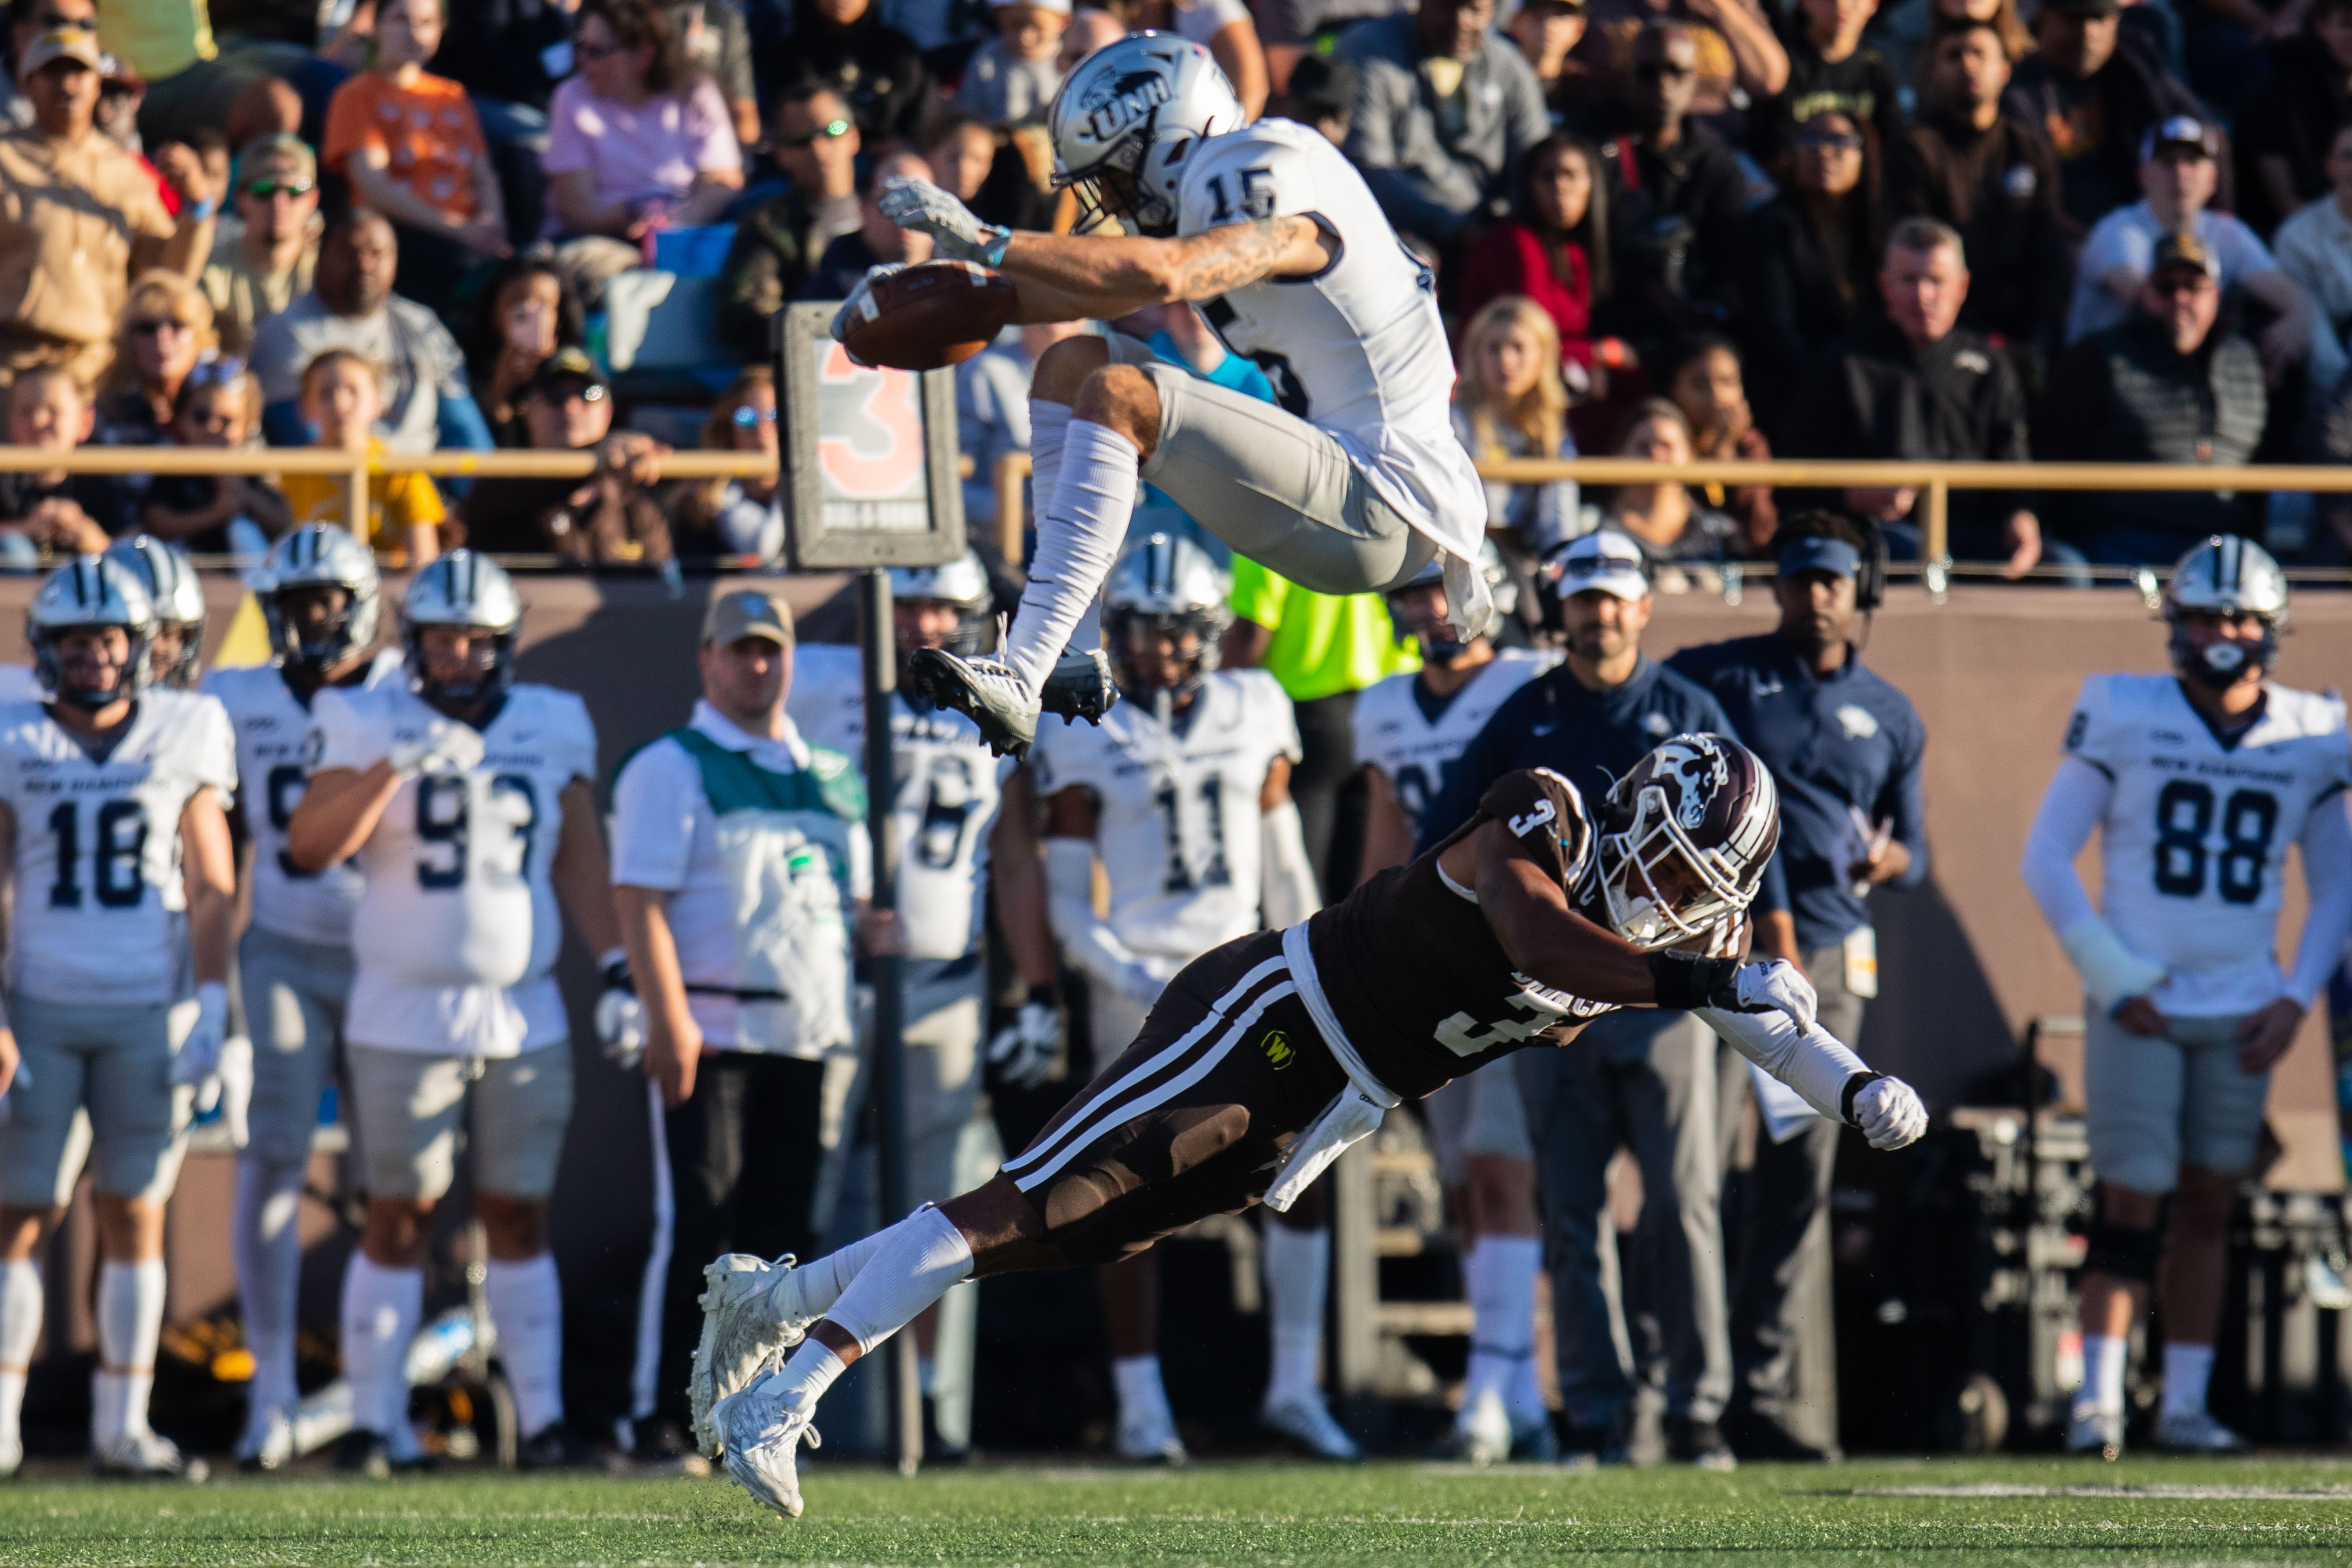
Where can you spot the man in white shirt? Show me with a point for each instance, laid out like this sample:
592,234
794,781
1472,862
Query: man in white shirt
2314,250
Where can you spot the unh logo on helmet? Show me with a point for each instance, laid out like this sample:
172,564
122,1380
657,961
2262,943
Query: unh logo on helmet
1695,768
1121,103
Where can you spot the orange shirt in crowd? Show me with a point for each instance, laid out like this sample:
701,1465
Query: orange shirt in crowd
427,130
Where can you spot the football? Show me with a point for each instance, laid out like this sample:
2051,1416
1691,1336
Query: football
932,316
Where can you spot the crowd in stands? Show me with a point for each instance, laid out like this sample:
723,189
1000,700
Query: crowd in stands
1945,229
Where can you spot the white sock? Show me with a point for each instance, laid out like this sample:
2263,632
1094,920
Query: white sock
1079,532
2187,1370
1049,425
269,1250
809,1371
2102,1373
822,1282
130,1321
526,1303
1298,1282
21,1305
381,1308
1501,1280
921,1258
1141,1394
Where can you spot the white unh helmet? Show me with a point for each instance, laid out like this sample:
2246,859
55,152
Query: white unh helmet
1135,108
1164,584
2226,575
962,583
463,589
89,590
163,570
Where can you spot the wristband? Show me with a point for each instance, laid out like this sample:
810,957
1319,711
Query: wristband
1683,984
993,251
202,212
1854,1086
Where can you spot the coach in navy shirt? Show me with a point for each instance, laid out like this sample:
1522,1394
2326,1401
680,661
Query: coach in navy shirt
1844,747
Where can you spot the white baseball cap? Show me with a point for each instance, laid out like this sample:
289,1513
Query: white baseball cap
1606,560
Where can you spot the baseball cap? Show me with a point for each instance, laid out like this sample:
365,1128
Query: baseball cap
749,613
1606,561
565,364
1814,552
281,156
60,43
2182,130
1062,6
2184,250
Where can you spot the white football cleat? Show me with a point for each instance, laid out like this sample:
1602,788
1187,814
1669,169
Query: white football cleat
2099,1432
984,689
2196,1432
268,1443
1483,1430
752,1315
1151,1438
1307,1421
140,1455
761,1434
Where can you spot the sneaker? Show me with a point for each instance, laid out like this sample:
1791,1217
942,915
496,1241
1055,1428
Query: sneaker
2099,1432
985,688
1609,1444
551,1448
268,1443
143,1454
660,1446
1758,1437
761,1437
1482,1432
1699,1442
1307,1421
1538,1445
752,1315
361,1452
1150,1439
2195,1431
1081,687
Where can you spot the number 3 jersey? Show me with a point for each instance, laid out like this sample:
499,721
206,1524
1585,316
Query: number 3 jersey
457,904
1178,833
98,890
273,735
2194,842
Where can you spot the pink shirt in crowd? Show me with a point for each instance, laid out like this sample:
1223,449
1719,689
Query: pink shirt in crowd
655,149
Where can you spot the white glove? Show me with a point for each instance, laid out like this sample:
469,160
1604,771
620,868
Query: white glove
197,1061
448,747
919,205
2112,974
1889,1113
859,305
236,1080
1777,984
620,1018
1024,1051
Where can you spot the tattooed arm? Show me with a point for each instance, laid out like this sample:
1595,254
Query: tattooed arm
1068,276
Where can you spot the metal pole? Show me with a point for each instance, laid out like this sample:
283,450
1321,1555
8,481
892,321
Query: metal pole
1355,1286
890,1078
356,520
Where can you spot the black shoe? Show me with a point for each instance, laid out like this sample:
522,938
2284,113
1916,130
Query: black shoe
1699,1442
1594,1444
363,1453
1756,1437
937,1450
553,1447
984,690
1081,687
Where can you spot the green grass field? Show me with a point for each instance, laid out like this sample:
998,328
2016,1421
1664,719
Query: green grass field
2020,1512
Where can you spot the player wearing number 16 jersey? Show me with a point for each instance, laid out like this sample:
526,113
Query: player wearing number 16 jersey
466,799
2196,782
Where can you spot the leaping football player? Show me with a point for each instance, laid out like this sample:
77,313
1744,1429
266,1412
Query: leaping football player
1267,1056
1351,482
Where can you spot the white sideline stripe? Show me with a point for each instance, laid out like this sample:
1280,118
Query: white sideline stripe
1165,1059
653,1286
1169,1090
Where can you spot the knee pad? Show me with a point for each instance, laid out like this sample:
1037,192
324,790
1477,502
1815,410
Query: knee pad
2124,1251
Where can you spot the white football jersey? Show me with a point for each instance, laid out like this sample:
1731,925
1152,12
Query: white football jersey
1358,350
1395,734
1178,833
99,895
19,684
2194,842
950,788
273,733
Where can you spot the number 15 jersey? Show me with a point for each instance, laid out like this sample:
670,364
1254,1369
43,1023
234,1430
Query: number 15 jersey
2195,837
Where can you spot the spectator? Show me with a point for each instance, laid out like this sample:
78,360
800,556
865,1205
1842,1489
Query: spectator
2286,127
1224,27
2315,251
988,174
2164,386
1904,29
80,218
52,511
1732,47
1014,75
1846,749
780,241
876,240
166,328
1322,94
1704,378
1911,386
609,518
1090,28
529,311
267,253
342,400
1547,32
1444,110
717,42
410,146
1830,69
28,20
1992,178
1673,530
1552,249
635,145
744,516
844,45
1812,250
508,55
1677,200
351,305
2095,91
2177,172
1509,402
234,514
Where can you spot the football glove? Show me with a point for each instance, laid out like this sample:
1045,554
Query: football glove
620,1018
1024,1051
860,303
448,747
1889,1113
197,1064
1774,985
236,1080
954,228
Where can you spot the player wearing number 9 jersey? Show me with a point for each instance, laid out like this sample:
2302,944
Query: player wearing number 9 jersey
466,802
2196,782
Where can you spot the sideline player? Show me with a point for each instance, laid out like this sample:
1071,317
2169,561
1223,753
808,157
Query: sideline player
1353,483
1268,1057
177,650
321,602
119,853
1160,793
468,800
1411,730
2196,782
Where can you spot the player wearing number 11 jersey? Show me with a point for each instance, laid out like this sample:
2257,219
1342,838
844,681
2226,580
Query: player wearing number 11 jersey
2196,782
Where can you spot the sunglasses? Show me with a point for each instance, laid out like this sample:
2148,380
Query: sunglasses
1833,141
598,51
827,132
2180,283
220,370
157,327
747,417
1662,70
263,190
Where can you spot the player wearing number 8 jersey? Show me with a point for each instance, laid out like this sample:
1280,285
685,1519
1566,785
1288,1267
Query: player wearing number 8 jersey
2197,783
466,800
